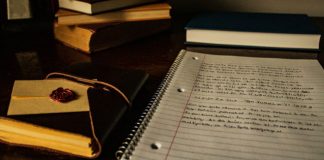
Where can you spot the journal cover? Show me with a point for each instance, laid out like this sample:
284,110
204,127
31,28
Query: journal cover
106,109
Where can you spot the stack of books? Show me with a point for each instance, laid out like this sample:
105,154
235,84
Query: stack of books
95,25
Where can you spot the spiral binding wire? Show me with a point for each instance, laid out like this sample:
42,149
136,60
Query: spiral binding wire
128,146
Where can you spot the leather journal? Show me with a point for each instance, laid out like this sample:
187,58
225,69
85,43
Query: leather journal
77,127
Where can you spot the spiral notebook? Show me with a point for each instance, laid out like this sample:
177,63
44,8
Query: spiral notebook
231,107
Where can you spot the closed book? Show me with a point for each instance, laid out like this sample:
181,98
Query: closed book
67,130
265,30
97,6
96,37
138,13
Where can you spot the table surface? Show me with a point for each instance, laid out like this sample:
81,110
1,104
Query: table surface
31,57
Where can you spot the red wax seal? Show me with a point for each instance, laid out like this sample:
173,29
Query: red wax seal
62,95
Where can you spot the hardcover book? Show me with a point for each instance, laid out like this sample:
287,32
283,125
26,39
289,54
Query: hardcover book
138,13
76,128
261,30
92,38
97,6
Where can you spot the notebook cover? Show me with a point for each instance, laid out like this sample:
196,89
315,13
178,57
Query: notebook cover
254,22
128,81
107,108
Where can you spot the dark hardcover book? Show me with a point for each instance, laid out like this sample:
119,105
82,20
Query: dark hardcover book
106,110
128,81
283,31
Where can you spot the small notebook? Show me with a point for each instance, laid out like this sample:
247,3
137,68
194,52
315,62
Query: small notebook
232,107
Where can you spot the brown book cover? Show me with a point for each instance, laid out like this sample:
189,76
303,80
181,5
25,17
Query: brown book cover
106,110
96,37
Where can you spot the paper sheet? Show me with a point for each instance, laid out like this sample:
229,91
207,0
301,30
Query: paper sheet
239,108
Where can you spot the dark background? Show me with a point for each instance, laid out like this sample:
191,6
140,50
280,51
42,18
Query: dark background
29,51
311,7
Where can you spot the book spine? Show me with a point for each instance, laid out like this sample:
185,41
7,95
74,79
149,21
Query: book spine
128,146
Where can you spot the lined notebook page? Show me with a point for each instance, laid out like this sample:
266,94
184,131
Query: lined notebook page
228,107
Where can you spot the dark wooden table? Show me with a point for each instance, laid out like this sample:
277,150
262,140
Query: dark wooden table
33,55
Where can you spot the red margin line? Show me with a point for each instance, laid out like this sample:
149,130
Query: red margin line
175,134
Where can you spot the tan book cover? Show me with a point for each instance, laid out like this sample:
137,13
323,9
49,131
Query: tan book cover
96,37
138,13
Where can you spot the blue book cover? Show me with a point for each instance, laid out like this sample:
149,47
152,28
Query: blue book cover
254,22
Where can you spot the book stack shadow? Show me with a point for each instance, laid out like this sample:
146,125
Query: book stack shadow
95,25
